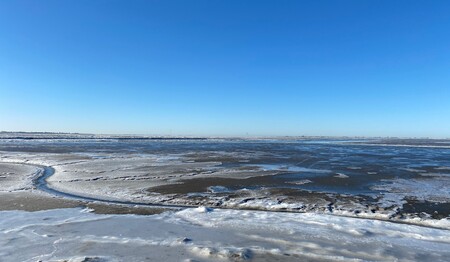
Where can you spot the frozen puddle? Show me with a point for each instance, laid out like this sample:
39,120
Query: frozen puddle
204,234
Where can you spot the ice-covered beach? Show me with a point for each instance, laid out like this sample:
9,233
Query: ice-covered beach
114,199
202,234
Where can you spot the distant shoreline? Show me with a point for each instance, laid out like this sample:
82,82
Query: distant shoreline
67,135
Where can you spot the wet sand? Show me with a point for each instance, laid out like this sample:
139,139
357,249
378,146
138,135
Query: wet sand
35,201
29,201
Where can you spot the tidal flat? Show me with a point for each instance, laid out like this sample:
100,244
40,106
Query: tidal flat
264,199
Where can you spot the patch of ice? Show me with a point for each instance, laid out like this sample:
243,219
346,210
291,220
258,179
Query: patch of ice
89,259
434,190
414,170
300,182
340,175
235,254
443,168
218,189
435,174
290,168
203,209
266,204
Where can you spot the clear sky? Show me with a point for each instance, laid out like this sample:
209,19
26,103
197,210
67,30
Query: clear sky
227,68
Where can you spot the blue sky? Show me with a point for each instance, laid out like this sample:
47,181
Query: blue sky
226,68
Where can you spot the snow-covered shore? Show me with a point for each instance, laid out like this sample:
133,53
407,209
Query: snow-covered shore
203,234
397,218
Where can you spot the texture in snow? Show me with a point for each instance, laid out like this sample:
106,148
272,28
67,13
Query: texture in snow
205,234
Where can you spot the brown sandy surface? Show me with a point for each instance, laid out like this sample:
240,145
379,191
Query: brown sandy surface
31,201
36,201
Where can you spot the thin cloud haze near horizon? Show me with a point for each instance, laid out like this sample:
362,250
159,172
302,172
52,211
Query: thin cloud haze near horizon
226,68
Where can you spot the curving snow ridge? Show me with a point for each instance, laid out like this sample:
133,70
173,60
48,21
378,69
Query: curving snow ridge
17,177
205,234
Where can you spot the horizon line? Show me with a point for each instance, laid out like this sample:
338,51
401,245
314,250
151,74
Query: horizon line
137,135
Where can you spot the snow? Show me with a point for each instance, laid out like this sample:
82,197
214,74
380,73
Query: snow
17,177
205,234
218,189
301,182
396,190
340,175
289,168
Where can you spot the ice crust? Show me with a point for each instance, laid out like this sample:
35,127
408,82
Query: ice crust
436,190
205,234
17,177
